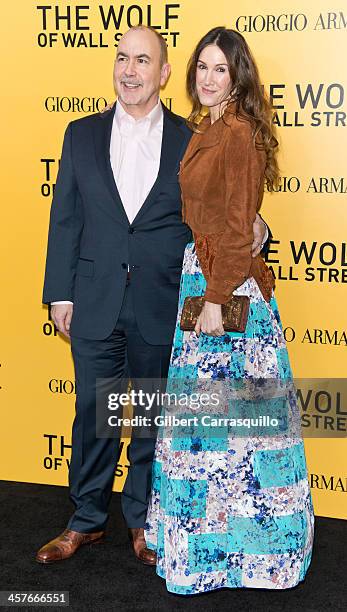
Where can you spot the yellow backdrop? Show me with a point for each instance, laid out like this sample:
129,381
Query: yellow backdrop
59,61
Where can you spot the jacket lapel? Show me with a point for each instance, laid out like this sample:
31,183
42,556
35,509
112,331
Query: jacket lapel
102,139
172,149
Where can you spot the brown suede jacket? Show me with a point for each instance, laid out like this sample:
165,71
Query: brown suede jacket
222,183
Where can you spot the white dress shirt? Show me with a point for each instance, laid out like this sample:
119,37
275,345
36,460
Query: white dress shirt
135,150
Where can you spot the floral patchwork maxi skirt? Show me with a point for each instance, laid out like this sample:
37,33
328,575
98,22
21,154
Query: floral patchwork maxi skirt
230,510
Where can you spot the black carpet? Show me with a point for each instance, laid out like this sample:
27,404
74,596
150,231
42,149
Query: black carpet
108,577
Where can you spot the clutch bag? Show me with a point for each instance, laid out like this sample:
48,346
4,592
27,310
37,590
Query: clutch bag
234,313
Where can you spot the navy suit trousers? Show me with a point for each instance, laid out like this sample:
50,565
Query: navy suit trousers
93,461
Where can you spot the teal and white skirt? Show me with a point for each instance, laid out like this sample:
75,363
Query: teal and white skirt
231,510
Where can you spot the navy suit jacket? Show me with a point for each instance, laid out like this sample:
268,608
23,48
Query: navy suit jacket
91,242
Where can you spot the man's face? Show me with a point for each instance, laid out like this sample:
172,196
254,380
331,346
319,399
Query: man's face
138,75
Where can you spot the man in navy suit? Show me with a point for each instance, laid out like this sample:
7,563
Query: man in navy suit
115,250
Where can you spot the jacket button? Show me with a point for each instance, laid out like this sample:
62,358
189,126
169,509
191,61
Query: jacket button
131,230
124,265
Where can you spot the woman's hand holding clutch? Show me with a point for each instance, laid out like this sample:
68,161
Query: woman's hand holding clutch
210,320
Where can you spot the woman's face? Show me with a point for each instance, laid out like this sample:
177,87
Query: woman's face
213,82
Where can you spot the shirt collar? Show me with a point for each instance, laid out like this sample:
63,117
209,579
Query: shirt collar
126,123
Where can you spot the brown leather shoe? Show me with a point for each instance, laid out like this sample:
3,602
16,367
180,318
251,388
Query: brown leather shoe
65,545
144,554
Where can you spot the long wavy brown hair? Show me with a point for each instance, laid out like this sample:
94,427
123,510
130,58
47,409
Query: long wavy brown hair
248,95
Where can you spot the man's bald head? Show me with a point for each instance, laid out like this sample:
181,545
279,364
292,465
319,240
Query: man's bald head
162,44
141,69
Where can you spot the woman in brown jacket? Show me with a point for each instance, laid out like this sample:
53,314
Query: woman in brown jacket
230,503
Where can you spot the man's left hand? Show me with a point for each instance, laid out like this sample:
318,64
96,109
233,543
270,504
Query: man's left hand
260,233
